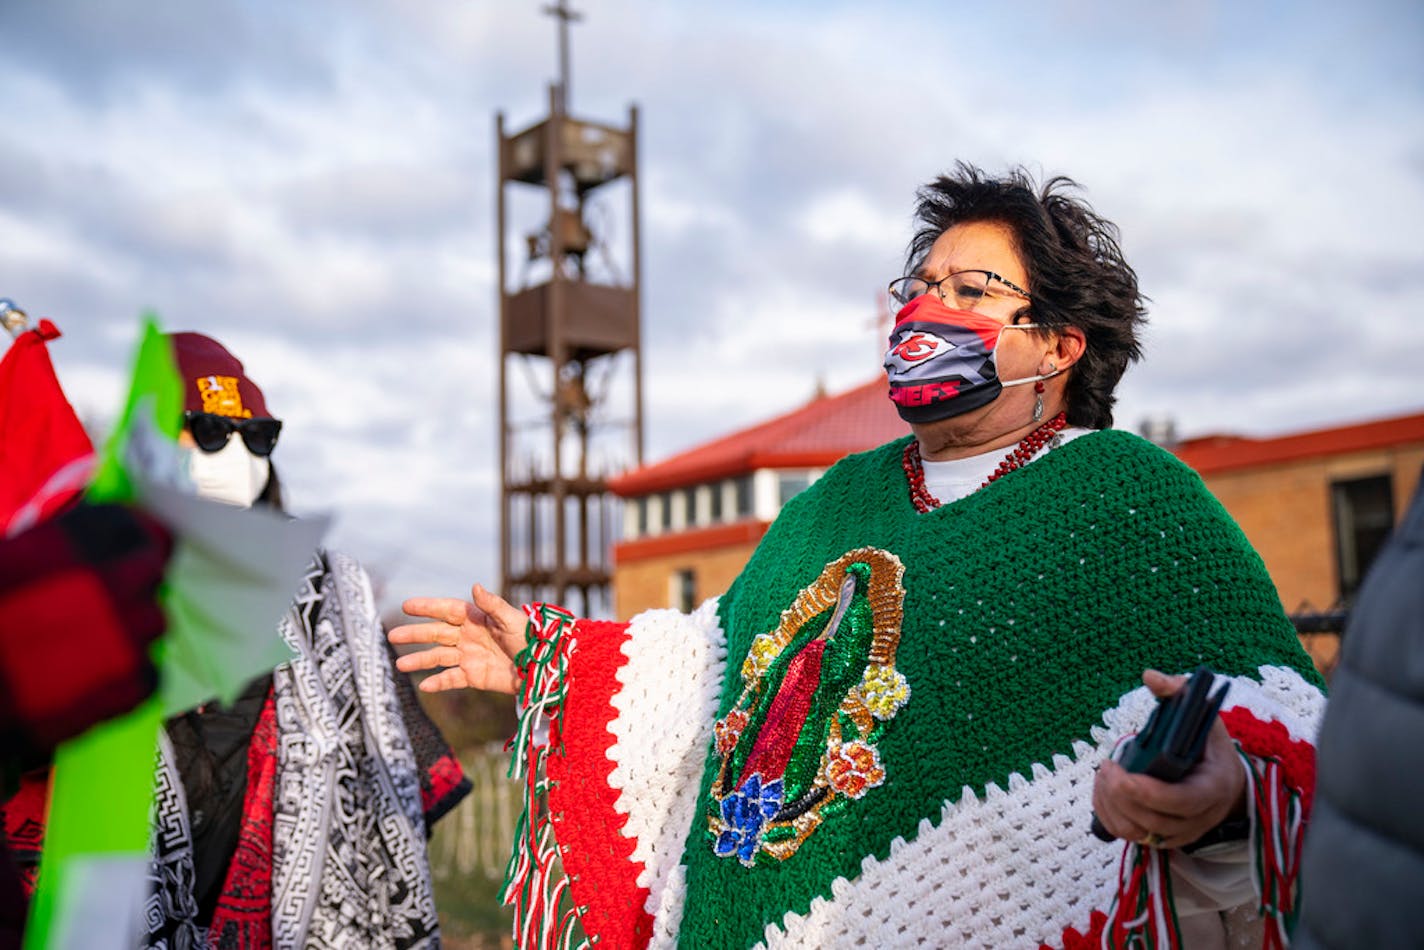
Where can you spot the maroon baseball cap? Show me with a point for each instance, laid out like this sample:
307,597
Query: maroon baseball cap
213,380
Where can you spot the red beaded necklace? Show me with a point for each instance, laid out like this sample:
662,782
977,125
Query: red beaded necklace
1017,458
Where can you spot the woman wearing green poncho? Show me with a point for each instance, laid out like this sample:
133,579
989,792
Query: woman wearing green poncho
895,726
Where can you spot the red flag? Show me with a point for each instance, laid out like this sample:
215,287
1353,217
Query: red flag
46,458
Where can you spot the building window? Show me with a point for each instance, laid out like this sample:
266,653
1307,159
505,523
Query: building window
697,504
684,590
1364,518
790,484
667,511
716,510
642,506
744,496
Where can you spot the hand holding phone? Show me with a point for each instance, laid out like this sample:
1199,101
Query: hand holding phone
1174,738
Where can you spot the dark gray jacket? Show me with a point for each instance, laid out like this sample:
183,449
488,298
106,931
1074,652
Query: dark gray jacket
1362,874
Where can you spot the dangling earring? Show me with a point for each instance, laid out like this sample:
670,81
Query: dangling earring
1038,388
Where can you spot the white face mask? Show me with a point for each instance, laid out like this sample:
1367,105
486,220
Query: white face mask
232,475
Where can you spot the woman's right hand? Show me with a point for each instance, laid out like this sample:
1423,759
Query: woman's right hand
472,644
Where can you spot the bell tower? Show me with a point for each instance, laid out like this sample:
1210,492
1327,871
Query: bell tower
570,367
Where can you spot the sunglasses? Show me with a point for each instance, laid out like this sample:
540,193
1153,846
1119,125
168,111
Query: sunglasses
211,432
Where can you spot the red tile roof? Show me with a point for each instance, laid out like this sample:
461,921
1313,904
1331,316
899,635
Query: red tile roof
1220,453
712,537
816,435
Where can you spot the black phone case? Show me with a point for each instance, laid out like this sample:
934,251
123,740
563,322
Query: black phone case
1174,738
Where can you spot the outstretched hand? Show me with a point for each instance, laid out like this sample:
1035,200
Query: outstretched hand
1137,807
472,644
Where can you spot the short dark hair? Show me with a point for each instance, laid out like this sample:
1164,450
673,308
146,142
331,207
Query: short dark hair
1077,275
271,496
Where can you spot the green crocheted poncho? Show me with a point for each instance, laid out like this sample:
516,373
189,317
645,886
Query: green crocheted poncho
1030,607
884,733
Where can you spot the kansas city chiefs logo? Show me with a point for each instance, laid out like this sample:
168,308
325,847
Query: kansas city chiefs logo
916,346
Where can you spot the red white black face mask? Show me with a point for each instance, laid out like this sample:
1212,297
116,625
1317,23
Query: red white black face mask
943,363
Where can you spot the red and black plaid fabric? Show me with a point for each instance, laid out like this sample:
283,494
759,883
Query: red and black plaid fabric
77,615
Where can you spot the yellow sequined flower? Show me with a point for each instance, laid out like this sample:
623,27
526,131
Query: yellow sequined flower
764,650
885,690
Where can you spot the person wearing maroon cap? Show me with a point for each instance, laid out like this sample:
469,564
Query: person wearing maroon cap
219,400
248,848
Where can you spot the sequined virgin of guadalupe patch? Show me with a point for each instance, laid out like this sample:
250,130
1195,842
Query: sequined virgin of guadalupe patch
800,742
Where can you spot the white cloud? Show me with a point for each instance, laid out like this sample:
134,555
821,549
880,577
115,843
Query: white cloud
848,216
319,192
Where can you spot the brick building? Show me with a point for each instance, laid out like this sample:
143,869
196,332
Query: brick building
1317,505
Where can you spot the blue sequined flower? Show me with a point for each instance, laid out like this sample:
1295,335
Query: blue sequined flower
744,812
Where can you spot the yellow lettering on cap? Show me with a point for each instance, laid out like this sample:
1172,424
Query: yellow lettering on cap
221,397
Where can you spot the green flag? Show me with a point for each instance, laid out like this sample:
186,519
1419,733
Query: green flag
93,873
93,867
148,429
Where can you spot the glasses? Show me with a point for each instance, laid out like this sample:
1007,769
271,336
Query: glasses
211,432
972,290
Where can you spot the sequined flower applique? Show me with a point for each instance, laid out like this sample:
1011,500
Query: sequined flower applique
854,768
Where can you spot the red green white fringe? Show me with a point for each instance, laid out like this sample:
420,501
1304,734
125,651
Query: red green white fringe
1142,914
533,884
1277,823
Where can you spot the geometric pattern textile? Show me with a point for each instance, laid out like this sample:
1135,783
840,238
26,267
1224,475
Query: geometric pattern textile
349,846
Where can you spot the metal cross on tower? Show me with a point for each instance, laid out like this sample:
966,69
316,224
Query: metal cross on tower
565,16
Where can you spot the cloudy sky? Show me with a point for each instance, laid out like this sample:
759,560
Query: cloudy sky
314,185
